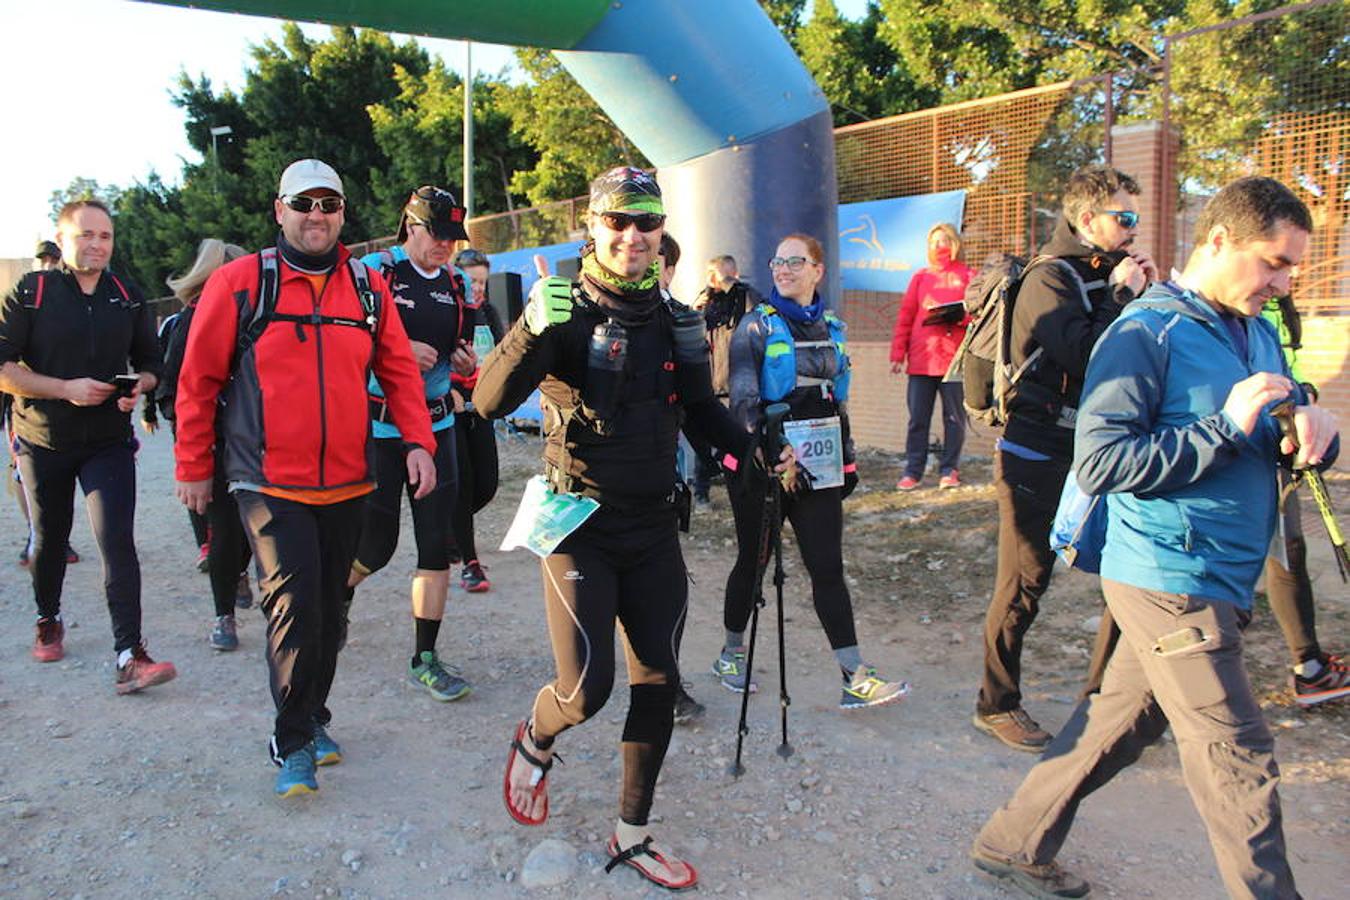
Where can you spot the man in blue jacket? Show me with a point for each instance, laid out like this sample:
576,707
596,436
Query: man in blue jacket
1176,429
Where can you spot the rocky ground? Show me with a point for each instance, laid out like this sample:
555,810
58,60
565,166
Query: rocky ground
168,794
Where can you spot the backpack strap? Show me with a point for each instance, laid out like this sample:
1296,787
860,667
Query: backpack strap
30,296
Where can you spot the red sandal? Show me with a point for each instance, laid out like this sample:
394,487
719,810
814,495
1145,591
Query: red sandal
540,786
633,857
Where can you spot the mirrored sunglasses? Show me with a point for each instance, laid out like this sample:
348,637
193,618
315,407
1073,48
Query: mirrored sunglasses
303,204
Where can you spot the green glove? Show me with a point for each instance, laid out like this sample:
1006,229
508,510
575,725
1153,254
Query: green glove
550,304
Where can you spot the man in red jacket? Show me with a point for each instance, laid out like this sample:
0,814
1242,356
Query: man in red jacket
273,389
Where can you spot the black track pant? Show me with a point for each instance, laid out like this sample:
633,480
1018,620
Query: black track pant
431,514
477,463
624,567
303,555
107,475
1028,494
229,548
817,518
201,527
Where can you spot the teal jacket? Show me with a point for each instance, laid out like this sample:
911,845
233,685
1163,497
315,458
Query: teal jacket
1191,499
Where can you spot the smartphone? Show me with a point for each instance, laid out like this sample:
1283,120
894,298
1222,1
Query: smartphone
1179,641
126,384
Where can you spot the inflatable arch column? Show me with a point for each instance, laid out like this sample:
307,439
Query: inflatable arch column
708,89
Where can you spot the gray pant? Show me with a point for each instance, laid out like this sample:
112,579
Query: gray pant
1227,752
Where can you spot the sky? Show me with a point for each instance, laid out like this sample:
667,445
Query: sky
107,116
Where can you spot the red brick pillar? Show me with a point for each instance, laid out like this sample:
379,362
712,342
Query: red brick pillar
1137,150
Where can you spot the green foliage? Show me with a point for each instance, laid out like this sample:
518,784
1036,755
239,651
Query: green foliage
84,189
574,138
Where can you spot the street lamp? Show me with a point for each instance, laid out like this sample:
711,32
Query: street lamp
218,131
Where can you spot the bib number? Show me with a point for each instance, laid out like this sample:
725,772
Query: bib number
819,446
544,518
482,341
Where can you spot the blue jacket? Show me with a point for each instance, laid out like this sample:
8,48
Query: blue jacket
1192,502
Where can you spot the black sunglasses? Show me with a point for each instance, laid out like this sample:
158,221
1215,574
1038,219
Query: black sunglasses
303,204
644,221
1127,218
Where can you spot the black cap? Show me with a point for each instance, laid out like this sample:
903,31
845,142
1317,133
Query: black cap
436,209
47,248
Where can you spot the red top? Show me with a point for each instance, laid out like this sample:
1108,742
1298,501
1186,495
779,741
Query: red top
930,348
307,390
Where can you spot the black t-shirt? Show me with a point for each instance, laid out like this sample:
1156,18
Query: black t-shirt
429,307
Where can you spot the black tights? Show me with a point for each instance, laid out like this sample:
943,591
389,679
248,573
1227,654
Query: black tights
624,567
476,459
817,518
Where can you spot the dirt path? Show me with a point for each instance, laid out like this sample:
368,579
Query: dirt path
169,794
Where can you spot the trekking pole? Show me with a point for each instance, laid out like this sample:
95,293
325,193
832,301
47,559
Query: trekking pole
773,425
784,701
1284,414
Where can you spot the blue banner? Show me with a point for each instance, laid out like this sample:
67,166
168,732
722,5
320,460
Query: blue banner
522,261
883,242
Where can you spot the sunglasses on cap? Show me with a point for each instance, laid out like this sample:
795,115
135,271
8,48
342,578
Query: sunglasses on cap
791,263
303,204
645,222
1126,218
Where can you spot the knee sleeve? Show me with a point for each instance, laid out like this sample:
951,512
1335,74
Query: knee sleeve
651,712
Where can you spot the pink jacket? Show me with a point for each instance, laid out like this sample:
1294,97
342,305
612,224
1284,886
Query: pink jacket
929,348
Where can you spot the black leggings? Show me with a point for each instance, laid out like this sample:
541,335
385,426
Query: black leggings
624,566
431,514
108,477
817,518
476,444
229,554
1290,590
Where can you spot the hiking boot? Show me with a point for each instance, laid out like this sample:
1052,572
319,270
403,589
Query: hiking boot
908,483
23,558
951,480
326,750
1331,683
731,670
142,672
71,556
243,594
687,709
1048,882
472,579
203,558
1014,728
47,644
224,636
297,775
867,688
441,682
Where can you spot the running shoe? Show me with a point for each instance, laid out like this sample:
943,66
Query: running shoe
442,682
326,750
472,578
297,775
1331,683
203,558
47,645
243,594
71,556
1014,728
142,672
951,480
23,558
1047,882
224,636
866,688
908,483
731,670
687,709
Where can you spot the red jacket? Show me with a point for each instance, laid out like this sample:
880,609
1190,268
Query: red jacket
295,414
929,348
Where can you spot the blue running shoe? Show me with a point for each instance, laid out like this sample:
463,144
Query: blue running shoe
326,750
297,773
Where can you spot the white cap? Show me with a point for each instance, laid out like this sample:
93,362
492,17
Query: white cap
307,175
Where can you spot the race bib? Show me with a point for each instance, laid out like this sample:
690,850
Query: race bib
482,341
819,446
544,518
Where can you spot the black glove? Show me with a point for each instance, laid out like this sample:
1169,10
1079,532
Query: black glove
850,482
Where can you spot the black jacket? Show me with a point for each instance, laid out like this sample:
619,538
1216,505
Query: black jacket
52,327
723,311
1049,313
629,462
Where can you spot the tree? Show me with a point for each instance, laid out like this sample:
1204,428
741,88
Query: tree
572,135
84,189
862,76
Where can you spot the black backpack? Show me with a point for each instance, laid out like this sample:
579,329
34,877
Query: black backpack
254,315
983,362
